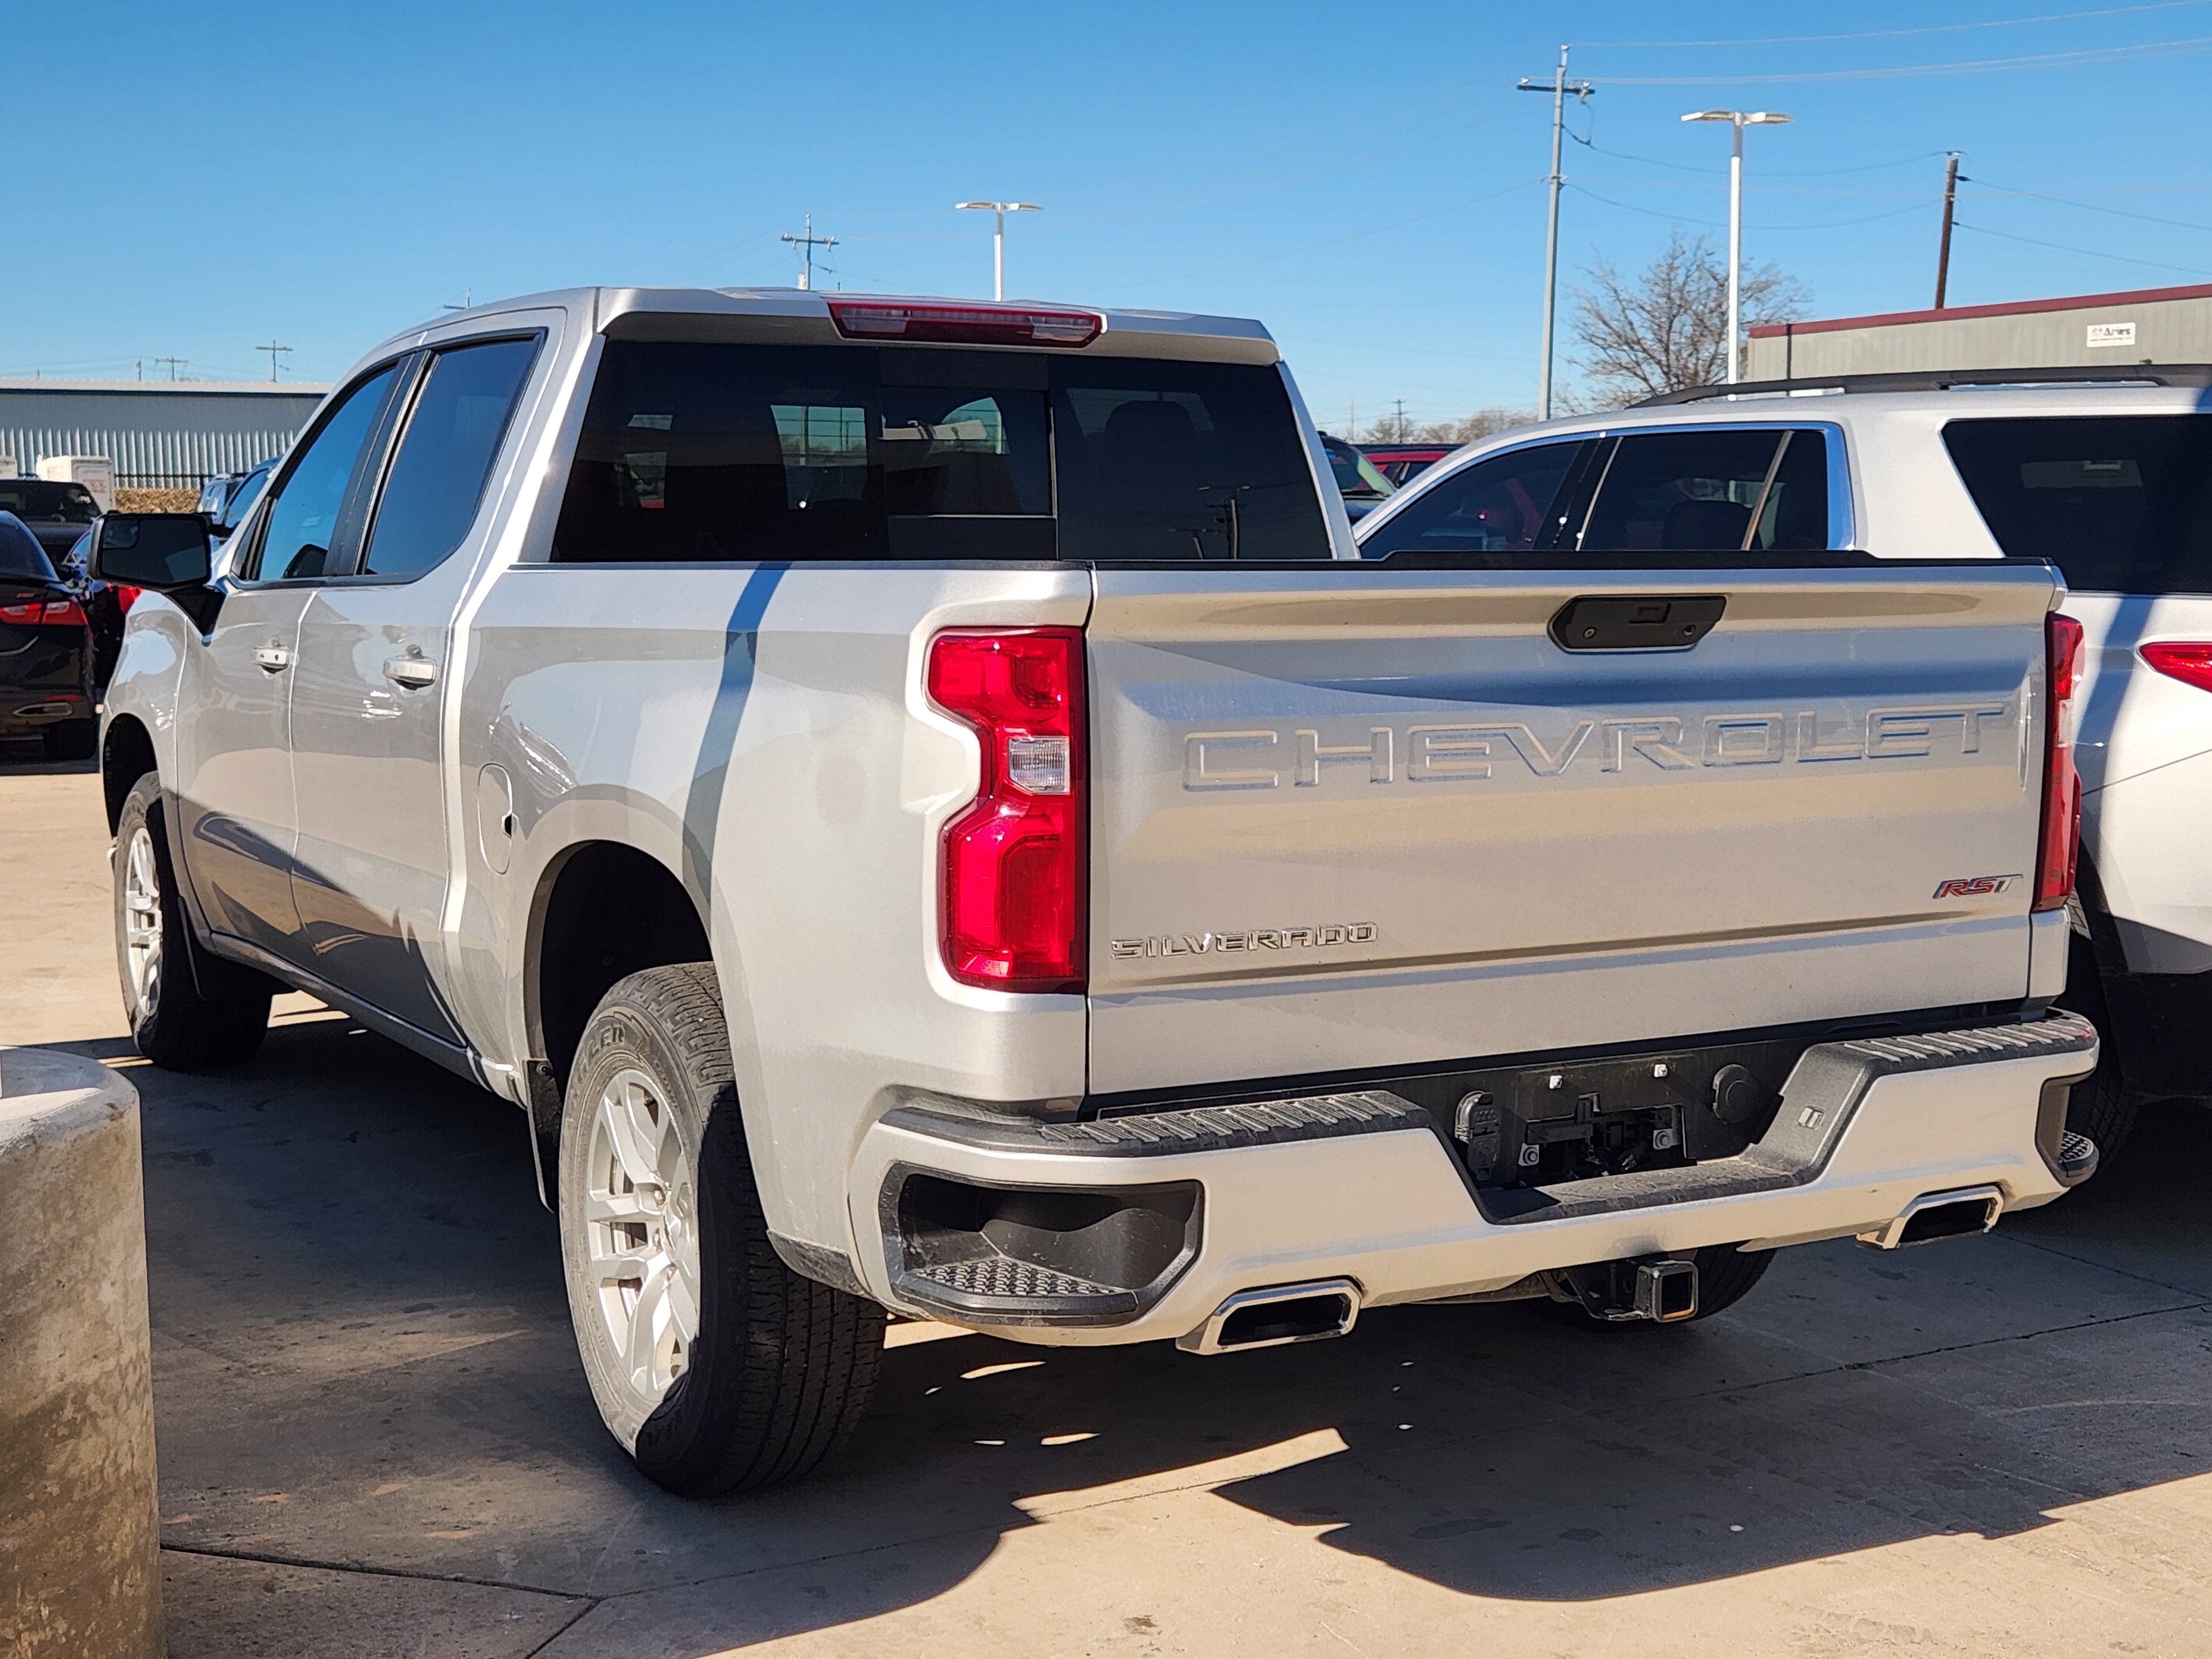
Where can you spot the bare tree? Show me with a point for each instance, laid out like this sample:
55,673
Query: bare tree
1668,328
1403,429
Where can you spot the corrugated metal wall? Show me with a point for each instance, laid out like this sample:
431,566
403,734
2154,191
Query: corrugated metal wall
157,434
2100,334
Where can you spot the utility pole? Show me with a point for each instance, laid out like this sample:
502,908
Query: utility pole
1943,253
466,298
999,210
175,363
272,349
1400,427
808,242
1737,120
1559,87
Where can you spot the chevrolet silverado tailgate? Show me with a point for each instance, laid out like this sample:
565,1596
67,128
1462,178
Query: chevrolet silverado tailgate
1354,816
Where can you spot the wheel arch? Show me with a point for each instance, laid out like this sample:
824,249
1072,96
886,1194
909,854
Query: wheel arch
126,755
602,910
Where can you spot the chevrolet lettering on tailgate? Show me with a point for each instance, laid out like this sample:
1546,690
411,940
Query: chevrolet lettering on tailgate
1467,751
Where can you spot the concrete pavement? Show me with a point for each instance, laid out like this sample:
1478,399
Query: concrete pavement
374,1438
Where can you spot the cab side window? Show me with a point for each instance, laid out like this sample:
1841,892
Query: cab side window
303,519
453,435
1712,491
1509,503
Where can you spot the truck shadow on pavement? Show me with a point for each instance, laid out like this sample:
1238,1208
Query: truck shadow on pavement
362,1359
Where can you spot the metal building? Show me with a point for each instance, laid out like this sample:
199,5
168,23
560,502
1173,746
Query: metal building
2146,325
160,434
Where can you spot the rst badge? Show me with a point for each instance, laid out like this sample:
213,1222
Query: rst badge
1974,886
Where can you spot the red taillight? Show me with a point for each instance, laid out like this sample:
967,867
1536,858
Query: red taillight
2187,660
1011,900
2061,784
59,613
959,324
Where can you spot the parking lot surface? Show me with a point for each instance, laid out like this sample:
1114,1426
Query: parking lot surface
375,1438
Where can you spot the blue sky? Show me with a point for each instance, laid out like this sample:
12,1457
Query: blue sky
192,181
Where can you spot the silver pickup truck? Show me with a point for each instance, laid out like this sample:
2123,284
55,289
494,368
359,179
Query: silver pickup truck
924,807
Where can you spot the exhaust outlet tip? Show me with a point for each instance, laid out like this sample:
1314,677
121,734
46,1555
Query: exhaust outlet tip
1277,1317
1932,1215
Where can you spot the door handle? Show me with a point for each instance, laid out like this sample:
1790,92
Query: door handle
272,659
413,672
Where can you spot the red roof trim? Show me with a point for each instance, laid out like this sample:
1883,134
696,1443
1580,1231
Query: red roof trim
2011,308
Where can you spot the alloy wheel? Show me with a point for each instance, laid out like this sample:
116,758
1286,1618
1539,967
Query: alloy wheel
142,916
641,1218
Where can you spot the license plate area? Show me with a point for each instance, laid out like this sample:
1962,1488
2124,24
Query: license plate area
1526,1127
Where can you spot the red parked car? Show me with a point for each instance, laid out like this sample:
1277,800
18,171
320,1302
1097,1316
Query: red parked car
1399,462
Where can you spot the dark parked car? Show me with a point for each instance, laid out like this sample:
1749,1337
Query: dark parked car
1401,462
46,683
1362,488
106,605
57,513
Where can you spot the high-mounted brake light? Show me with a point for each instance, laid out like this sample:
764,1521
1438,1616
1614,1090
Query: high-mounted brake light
2061,784
963,325
2189,661
1011,896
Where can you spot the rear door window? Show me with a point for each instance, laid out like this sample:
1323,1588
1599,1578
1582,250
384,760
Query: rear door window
2120,503
1504,505
712,450
1712,490
451,438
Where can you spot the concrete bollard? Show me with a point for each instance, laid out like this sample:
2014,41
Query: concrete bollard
80,1542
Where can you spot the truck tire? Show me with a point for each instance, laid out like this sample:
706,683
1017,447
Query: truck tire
2101,1105
71,740
716,1366
173,1026
1725,1277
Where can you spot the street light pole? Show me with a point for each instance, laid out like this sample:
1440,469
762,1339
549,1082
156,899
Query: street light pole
1738,120
999,210
1559,87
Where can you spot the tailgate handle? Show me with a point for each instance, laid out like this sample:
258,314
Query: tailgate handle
1653,621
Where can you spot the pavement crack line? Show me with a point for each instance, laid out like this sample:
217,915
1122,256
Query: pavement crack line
2084,1261
309,1562
567,1625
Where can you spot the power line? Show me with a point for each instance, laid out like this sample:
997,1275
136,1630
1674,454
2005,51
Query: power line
176,363
1334,241
1777,172
2093,253
2089,207
1916,206
1970,66
1929,28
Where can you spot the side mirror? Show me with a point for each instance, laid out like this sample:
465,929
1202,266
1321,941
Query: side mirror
162,551
166,553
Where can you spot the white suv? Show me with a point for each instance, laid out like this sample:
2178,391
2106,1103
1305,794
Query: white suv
2109,478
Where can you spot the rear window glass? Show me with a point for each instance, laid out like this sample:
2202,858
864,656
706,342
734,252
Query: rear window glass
2120,503
1503,505
696,450
20,552
1690,491
37,502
